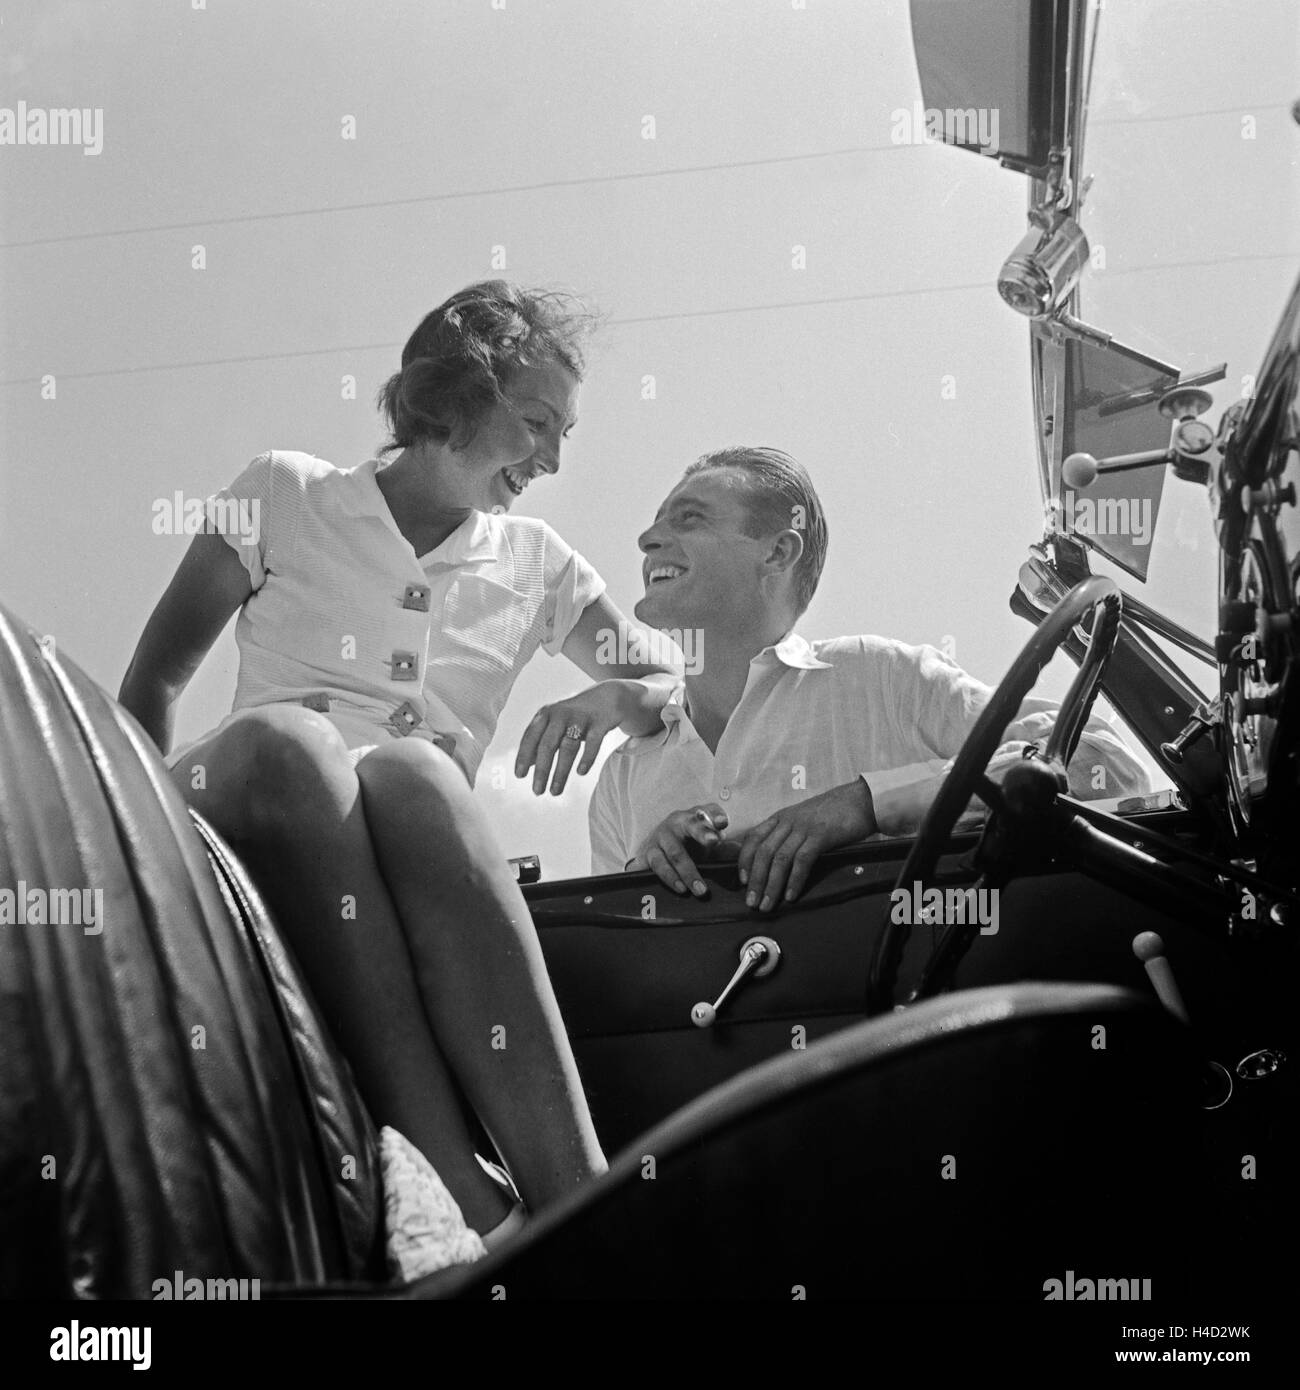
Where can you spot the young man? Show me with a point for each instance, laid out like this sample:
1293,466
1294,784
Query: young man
785,747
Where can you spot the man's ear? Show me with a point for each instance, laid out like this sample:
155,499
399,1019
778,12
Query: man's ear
785,553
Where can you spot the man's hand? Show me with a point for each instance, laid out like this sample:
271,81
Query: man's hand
664,851
776,855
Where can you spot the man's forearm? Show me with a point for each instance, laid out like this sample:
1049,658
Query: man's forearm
863,788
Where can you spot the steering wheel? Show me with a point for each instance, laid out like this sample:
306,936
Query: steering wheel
1097,595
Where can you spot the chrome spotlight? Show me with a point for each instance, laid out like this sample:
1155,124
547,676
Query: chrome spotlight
1044,268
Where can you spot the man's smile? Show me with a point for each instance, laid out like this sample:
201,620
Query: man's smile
662,574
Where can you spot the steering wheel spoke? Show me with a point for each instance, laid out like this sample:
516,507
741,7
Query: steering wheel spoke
990,793
1097,598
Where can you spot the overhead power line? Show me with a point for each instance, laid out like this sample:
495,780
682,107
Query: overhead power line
458,195
583,181
390,347
638,319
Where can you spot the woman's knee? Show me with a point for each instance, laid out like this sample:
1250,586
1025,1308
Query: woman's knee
273,766
414,777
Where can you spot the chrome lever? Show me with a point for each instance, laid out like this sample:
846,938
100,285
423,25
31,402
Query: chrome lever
759,956
1216,1079
1204,718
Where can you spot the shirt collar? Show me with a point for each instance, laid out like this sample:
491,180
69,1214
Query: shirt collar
792,650
674,714
359,493
478,537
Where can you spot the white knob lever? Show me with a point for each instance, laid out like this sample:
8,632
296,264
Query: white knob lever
759,956
1150,950
1216,1079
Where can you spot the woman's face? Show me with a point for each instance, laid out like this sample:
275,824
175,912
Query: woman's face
517,440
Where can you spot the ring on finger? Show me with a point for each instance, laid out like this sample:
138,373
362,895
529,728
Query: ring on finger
575,732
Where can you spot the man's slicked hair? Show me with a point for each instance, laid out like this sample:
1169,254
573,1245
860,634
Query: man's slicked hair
779,496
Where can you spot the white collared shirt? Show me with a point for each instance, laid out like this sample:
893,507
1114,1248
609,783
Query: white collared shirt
344,608
814,716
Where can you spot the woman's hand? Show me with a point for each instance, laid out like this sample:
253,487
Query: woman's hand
557,732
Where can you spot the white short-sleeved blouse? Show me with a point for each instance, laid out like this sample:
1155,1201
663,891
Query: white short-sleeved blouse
346,618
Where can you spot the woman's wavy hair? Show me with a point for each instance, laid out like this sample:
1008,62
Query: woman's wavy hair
458,361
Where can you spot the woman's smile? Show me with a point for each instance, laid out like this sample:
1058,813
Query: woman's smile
517,479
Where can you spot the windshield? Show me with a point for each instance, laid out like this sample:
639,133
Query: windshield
1191,210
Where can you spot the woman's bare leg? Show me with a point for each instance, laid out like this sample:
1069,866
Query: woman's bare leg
281,789
480,967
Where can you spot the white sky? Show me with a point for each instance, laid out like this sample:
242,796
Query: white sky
522,127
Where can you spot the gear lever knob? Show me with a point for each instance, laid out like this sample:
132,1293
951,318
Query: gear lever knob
1150,950
1216,1079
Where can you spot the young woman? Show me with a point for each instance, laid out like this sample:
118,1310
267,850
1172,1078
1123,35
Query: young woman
384,614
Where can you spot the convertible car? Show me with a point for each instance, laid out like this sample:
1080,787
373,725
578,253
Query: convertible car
1095,1100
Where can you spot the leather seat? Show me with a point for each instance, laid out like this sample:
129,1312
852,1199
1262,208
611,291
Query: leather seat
168,1098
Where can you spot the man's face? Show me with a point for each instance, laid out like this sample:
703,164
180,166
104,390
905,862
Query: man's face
699,564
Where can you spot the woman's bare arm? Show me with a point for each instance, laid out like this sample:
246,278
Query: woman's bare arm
630,692
606,647
209,585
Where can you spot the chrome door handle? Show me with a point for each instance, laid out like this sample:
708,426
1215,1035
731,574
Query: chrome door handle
759,956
